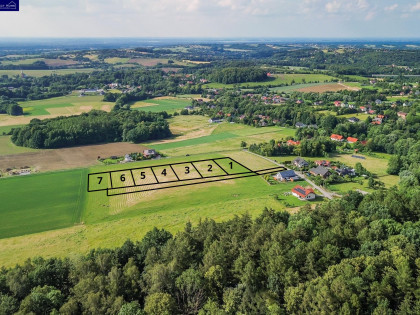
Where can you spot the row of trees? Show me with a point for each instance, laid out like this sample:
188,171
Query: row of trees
90,128
320,146
357,255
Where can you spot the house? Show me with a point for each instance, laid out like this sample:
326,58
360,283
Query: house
292,142
288,175
127,159
335,137
299,162
343,171
337,103
320,171
149,153
215,120
352,140
324,163
353,120
402,115
378,102
303,193
300,125
371,111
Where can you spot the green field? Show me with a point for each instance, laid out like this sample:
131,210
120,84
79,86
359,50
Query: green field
278,80
195,141
37,203
226,137
6,129
291,88
7,147
41,73
53,201
64,105
169,105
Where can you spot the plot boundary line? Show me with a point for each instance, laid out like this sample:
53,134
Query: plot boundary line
207,179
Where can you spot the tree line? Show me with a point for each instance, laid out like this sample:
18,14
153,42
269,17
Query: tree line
355,255
91,128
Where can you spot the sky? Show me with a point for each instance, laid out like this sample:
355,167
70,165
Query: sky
214,18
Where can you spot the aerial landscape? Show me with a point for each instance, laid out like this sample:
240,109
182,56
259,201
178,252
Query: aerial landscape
220,157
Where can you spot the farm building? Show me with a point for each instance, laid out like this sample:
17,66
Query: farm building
215,120
320,171
353,120
299,162
288,175
149,153
300,125
303,193
352,140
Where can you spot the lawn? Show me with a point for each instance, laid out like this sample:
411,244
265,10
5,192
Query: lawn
109,221
168,104
279,79
41,202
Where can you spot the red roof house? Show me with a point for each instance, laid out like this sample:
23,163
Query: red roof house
352,140
292,142
323,163
303,193
335,137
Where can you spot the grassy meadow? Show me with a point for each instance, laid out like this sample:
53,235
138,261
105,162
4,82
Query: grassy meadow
109,221
7,147
168,104
278,79
42,73
41,202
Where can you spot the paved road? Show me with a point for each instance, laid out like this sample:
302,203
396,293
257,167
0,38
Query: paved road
324,192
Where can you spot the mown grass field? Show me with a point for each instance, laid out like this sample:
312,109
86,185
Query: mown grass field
225,137
52,203
278,80
7,147
168,104
7,129
36,203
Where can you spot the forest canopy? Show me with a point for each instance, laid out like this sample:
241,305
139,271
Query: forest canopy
90,128
238,75
360,252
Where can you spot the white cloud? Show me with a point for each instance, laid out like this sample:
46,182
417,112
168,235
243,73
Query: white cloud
416,7
333,7
391,7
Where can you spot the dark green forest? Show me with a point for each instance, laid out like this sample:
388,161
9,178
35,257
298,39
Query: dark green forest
91,128
238,75
9,107
356,255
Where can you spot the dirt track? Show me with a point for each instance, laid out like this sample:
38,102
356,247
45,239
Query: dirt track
48,160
